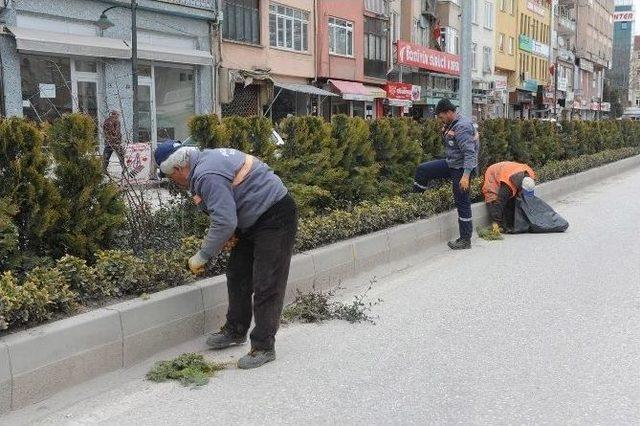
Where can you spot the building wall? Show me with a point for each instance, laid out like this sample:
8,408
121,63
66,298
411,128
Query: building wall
334,66
483,36
284,64
506,24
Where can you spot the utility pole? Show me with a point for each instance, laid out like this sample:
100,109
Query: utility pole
553,59
134,70
465,59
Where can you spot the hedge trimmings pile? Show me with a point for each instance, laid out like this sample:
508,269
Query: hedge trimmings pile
189,369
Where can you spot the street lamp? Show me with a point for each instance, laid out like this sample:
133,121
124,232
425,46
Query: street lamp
104,23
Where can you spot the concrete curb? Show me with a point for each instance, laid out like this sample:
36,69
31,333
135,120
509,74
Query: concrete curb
36,363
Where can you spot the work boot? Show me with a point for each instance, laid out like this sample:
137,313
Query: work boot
256,358
459,244
225,338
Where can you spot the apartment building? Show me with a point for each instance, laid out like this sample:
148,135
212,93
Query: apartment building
485,47
623,33
565,58
634,88
594,46
530,98
506,78
268,51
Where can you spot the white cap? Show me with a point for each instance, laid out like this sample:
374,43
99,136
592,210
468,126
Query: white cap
528,184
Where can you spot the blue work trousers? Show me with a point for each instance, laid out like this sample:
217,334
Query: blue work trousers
439,169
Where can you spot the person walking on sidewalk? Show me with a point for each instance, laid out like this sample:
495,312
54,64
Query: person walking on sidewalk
243,197
461,148
112,141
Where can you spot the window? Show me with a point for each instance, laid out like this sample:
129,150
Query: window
511,46
288,28
450,40
486,59
175,98
53,86
474,11
624,25
488,15
340,37
474,59
501,42
241,21
375,48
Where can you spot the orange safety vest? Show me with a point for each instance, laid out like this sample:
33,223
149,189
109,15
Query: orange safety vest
500,173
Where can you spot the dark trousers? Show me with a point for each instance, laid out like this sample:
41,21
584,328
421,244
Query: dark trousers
259,267
439,169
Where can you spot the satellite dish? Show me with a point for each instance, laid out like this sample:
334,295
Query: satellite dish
423,22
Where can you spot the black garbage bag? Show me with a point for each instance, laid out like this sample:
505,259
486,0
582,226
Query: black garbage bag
534,215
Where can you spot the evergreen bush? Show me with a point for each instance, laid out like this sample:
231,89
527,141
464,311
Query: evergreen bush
91,208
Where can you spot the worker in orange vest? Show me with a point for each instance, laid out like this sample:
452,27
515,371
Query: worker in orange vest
503,182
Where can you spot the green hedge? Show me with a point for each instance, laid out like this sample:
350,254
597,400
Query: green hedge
373,216
45,292
350,160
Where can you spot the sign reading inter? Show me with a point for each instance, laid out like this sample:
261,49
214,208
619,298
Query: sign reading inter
418,56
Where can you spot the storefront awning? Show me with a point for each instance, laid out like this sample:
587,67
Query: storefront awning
30,40
303,88
354,91
191,57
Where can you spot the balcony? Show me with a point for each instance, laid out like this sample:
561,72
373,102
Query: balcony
430,8
196,4
566,25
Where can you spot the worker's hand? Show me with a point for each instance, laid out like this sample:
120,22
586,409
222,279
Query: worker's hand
230,244
464,182
496,228
197,264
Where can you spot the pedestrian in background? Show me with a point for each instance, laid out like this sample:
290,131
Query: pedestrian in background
461,148
112,140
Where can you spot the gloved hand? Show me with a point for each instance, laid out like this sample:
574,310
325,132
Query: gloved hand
230,244
197,264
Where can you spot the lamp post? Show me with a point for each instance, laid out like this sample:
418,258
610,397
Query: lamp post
104,23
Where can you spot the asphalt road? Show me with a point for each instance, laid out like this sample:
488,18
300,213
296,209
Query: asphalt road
531,329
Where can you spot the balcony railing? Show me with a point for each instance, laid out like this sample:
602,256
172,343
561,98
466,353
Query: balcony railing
196,4
377,69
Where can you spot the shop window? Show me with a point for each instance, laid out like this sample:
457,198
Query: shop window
340,37
53,86
175,101
288,28
241,21
46,87
340,106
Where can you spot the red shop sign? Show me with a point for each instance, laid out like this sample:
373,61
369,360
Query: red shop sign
399,91
419,56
